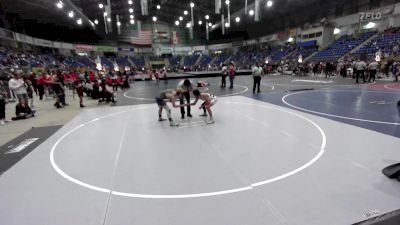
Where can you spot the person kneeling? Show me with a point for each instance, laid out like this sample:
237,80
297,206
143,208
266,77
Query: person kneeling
22,111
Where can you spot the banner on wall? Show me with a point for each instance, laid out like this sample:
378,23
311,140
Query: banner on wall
237,43
376,14
67,46
252,42
126,49
161,35
105,49
56,44
175,37
6,34
268,38
23,38
283,34
166,50
42,42
220,46
85,48
199,48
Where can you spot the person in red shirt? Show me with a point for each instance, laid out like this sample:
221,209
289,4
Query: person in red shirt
231,74
109,81
40,82
92,77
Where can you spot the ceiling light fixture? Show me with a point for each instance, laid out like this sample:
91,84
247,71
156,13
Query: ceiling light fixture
60,4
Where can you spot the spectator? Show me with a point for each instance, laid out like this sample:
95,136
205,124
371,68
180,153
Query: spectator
231,73
18,86
79,91
224,73
22,111
40,83
3,98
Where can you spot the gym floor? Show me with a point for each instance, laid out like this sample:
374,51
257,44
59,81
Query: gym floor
304,151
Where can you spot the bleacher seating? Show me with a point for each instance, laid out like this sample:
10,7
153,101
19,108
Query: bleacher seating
139,62
205,60
221,59
191,60
385,42
281,53
341,47
175,60
123,61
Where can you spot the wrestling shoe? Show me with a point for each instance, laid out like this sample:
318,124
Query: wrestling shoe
204,114
161,119
173,124
210,121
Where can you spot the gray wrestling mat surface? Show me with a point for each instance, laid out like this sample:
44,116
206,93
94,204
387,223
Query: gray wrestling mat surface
258,164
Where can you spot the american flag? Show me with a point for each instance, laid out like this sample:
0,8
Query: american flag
143,37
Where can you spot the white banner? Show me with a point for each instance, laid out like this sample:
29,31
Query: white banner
220,46
257,10
6,34
23,38
56,44
252,42
67,46
199,48
43,42
217,6
144,7
167,50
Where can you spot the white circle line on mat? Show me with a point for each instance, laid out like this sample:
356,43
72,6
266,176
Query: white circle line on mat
284,100
194,195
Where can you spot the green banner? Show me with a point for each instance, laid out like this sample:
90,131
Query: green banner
105,49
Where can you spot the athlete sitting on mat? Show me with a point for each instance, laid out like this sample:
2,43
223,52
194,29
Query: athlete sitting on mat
209,101
202,83
170,95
